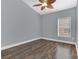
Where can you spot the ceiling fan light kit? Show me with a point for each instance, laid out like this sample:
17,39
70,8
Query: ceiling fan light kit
45,3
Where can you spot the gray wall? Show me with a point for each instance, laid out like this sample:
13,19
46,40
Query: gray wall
49,22
19,22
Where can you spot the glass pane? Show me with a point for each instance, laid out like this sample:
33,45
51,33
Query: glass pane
64,26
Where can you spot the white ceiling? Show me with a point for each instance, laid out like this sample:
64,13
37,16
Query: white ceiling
58,5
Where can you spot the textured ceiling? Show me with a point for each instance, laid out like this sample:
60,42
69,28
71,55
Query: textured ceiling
58,5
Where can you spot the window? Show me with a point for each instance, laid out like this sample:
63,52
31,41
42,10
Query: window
64,27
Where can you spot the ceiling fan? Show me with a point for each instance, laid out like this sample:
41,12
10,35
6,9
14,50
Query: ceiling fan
45,3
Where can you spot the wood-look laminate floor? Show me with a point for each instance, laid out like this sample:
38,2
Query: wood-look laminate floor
41,49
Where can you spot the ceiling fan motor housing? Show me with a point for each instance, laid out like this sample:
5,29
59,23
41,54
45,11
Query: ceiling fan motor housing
45,3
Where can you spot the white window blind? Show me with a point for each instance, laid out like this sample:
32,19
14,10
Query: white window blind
64,27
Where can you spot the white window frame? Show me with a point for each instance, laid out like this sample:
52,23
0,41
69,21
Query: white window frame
59,35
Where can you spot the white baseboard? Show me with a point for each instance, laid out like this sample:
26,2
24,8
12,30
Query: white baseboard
13,45
58,40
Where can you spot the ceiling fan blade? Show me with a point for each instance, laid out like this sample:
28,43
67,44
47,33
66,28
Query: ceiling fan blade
50,6
43,7
37,5
42,1
50,1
